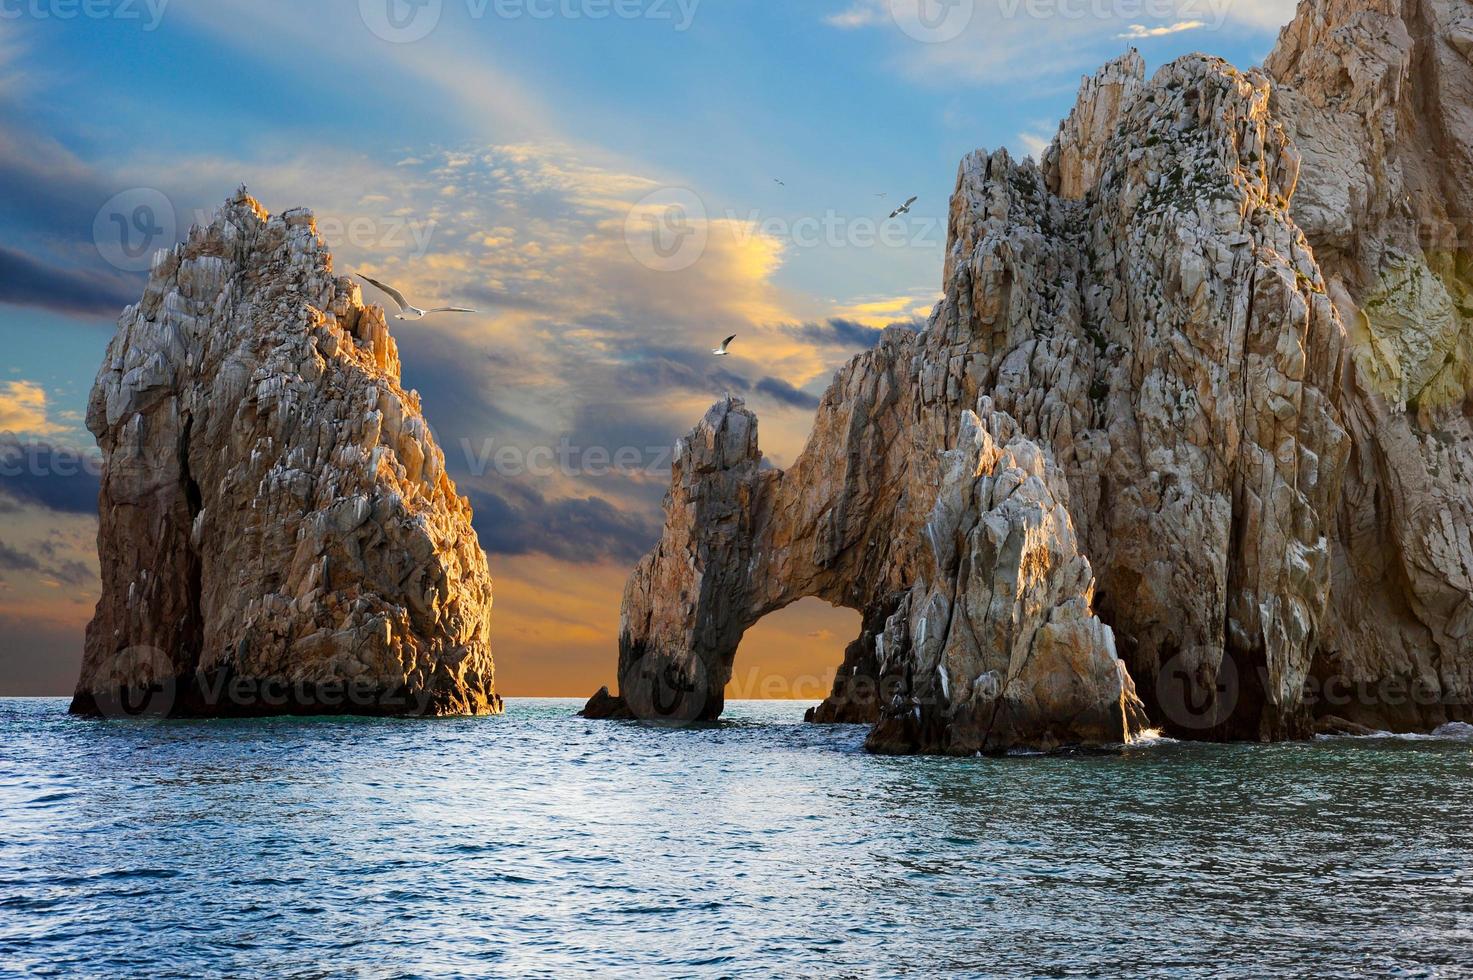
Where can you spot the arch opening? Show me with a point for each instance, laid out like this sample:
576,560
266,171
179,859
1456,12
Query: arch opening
793,653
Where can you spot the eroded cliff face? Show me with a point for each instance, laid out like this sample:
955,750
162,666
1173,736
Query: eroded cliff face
278,533
1146,441
1378,95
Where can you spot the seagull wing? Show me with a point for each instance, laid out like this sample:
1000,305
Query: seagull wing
896,211
727,342
910,202
394,294
451,309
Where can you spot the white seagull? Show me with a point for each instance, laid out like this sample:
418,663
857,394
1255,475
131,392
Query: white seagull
778,182
722,350
903,209
406,311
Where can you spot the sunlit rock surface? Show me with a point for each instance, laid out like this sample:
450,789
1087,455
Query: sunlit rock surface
1191,419
278,533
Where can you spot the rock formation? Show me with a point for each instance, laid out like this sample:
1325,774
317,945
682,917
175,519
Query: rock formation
1157,433
278,533
1378,96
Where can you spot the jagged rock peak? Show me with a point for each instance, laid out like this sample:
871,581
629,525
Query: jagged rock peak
278,532
1071,162
1237,457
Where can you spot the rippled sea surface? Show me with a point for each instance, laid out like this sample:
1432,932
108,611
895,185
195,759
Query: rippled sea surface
539,844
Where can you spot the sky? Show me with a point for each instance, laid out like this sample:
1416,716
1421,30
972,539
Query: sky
615,184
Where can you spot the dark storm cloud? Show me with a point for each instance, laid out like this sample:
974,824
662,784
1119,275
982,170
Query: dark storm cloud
49,476
50,562
50,203
839,332
780,391
517,520
654,369
68,571
46,188
468,395
644,425
27,281
14,560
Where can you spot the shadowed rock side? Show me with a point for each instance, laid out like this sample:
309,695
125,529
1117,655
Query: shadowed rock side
278,533
1143,421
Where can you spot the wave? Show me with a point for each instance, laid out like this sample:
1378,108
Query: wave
1453,731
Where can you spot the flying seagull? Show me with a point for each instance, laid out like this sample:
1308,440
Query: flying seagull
903,209
778,182
722,350
407,312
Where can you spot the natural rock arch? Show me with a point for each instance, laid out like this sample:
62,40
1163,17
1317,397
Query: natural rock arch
1141,373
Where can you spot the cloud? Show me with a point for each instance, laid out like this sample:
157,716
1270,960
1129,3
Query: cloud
25,281
57,568
784,393
1139,32
1011,41
49,476
473,90
518,521
49,191
882,311
13,83
843,332
23,410
13,560
575,337
1263,14
860,15
1033,144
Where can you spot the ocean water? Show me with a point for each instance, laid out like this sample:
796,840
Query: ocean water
541,845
